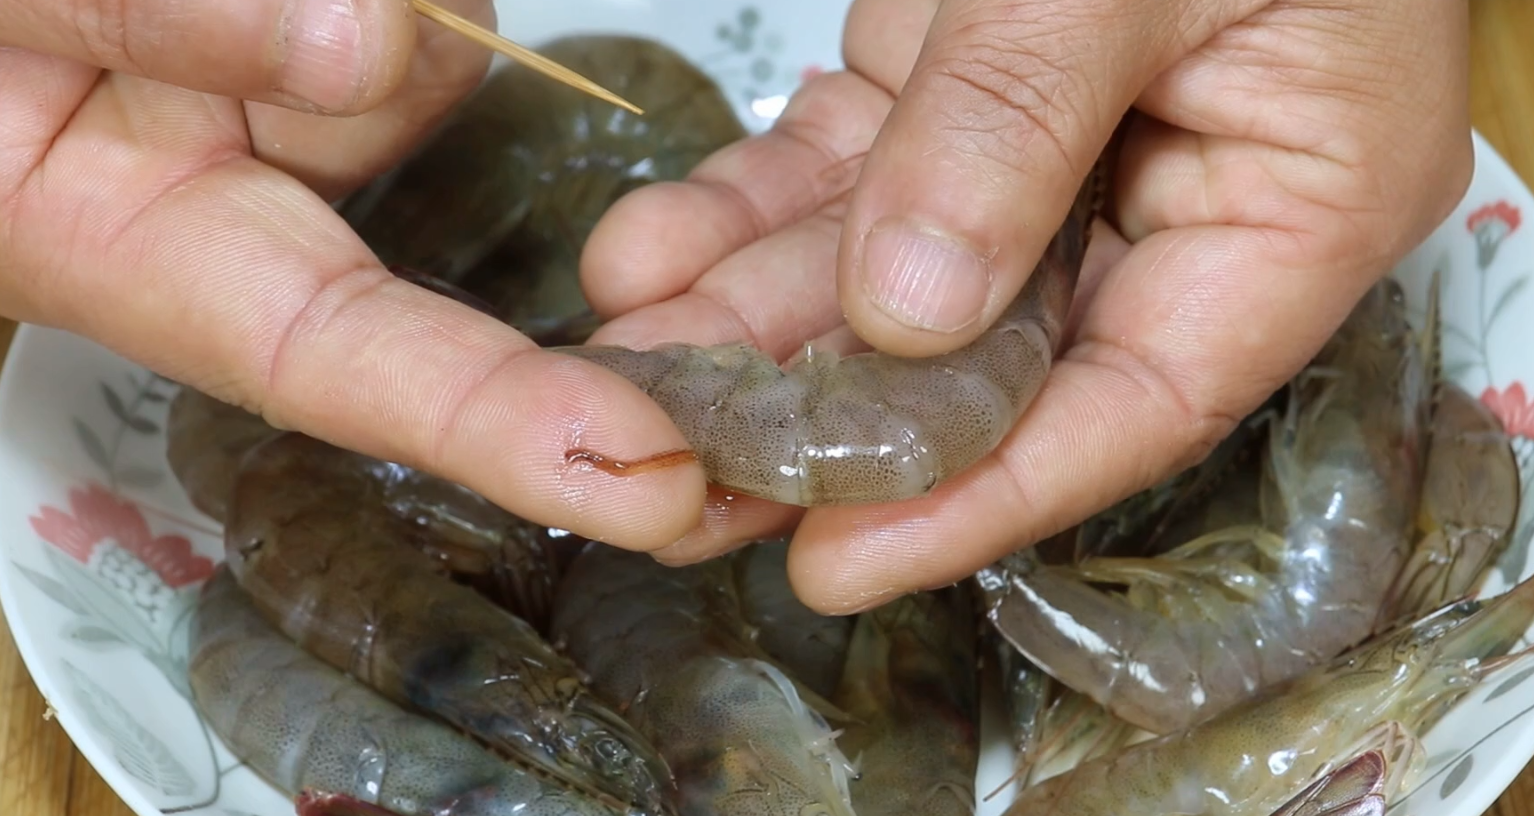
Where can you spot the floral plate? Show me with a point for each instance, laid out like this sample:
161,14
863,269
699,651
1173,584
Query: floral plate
101,554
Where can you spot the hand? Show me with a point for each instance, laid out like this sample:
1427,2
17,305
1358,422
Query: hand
1289,154
144,205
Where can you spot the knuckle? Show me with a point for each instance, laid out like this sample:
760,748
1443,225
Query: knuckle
1009,107
103,28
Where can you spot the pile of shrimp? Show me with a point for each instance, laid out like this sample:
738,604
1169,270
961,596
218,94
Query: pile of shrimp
1269,633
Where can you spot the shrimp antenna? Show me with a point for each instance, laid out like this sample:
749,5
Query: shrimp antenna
522,54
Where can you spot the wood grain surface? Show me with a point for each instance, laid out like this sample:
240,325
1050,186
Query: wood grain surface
41,773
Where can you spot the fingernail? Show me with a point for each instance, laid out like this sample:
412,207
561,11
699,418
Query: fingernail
324,63
924,278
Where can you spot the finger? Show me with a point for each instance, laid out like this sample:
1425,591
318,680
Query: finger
1167,359
201,263
1194,161
1008,107
655,242
729,523
337,56
773,295
335,156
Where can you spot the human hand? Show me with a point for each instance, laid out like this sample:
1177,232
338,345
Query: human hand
1290,153
144,205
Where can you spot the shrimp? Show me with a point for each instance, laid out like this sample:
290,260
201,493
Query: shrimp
810,646
204,441
318,735
869,427
1469,504
1226,614
309,540
912,689
1257,756
741,738
502,198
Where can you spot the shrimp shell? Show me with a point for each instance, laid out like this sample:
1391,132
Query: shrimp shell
1254,757
811,646
912,688
309,729
309,539
1206,626
670,643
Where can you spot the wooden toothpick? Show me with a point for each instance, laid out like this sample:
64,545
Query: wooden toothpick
522,54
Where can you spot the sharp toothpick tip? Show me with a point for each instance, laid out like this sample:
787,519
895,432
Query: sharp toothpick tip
522,54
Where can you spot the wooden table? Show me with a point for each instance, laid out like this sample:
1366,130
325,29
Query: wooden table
41,773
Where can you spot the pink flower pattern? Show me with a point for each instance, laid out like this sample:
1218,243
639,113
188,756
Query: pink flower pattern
1512,406
96,515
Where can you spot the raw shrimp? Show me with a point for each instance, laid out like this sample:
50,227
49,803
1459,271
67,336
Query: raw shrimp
1210,623
204,441
869,427
310,541
1469,505
1255,757
314,733
502,198
912,690
811,646
669,642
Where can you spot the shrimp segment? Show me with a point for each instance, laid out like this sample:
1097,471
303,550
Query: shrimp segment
316,734
309,537
670,644
811,646
1470,501
869,427
912,689
1213,621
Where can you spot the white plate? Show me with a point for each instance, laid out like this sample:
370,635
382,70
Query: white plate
101,554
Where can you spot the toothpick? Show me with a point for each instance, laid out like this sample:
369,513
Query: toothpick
524,55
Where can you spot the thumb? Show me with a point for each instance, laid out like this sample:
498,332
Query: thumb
1005,111
334,56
